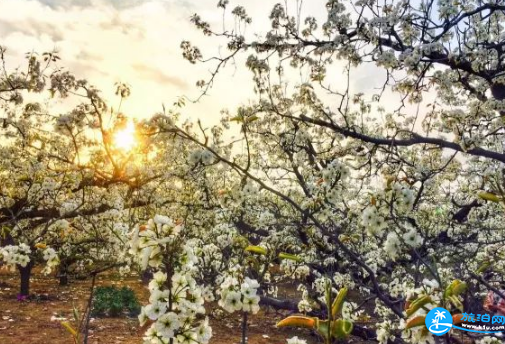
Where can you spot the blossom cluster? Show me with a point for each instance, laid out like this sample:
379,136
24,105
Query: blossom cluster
296,340
13,255
174,306
410,236
237,296
204,156
51,257
294,270
373,221
149,240
334,170
403,198
176,299
305,304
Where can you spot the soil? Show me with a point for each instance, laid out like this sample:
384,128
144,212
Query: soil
29,321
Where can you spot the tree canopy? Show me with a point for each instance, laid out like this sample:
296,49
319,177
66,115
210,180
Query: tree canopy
394,194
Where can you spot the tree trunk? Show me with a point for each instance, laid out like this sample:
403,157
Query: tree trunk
244,327
63,274
64,279
146,276
25,273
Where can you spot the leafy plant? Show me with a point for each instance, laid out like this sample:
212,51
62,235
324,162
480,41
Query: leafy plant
73,329
111,301
450,301
331,329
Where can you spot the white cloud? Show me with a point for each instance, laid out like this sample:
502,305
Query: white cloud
135,42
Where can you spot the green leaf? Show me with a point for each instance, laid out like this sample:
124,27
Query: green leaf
323,328
489,196
237,119
417,304
336,308
484,266
77,318
288,256
341,328
256,249
69,328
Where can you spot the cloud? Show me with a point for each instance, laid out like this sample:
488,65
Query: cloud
35,29
86,3
137,42
157,76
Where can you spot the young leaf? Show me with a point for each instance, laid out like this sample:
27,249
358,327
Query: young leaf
288,256
417,304
69,328
415,322
341,328
298,321
489,196
256,249
338,302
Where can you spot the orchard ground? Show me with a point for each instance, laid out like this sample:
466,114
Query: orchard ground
29,322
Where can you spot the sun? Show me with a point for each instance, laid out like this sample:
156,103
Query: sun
125,139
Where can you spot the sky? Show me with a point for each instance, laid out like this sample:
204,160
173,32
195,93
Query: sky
132,41
138,42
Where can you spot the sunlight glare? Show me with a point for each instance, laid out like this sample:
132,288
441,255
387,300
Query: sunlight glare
125,138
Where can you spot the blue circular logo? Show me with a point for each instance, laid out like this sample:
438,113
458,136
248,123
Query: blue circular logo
438,321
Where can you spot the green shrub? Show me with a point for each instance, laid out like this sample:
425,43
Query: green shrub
111,301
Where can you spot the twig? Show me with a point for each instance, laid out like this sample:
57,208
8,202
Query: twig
489,286
87,313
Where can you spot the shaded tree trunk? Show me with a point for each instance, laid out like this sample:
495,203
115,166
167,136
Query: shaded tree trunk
244,327
25,273
64,279
146,276
63,274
